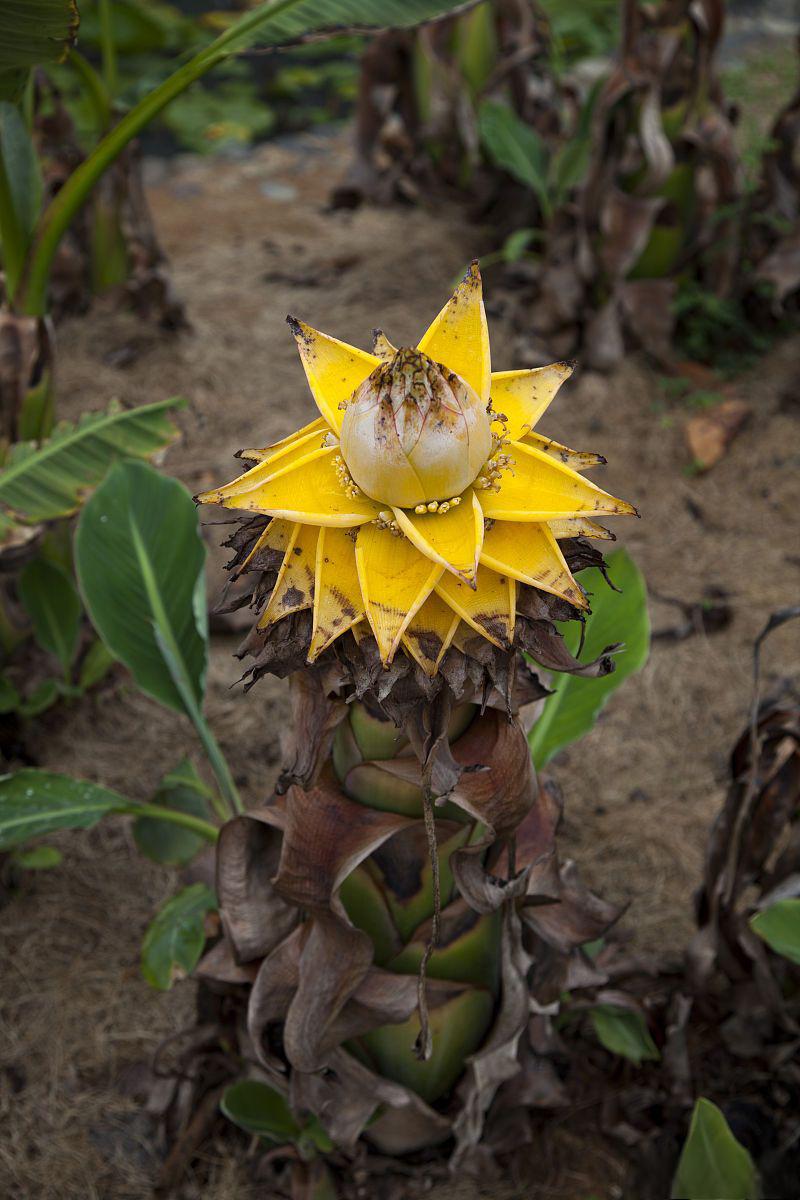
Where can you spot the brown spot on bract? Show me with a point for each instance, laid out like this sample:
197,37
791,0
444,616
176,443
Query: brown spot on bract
291,598
495,625
343,602
430,644
387,608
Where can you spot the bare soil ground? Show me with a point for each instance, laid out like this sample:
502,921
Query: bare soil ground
250,243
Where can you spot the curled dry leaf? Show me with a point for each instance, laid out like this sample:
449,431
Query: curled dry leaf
753,854
327,906
660,198
710,433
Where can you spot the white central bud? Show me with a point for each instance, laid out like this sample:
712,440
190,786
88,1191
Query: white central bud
414,432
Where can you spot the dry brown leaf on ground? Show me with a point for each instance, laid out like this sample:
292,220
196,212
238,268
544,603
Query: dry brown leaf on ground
709,434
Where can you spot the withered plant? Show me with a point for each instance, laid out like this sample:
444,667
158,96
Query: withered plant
43,31
660,197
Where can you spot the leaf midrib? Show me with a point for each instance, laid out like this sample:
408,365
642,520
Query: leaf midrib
80,433
161,619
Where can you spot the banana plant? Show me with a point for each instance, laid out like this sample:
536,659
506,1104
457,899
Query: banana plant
42,619
394,907
140,567
396,910
483,102
30,238
113,243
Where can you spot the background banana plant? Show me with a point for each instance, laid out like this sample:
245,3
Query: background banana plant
42,620
602,145
30,237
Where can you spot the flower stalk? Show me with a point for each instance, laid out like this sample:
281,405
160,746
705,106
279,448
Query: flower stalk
397,903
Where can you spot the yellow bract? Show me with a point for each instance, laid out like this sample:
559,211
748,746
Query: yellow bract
338,602
333,369
441,572
395,580
459,337
453,539
430,633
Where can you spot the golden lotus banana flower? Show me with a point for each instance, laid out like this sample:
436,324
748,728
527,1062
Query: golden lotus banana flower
421,497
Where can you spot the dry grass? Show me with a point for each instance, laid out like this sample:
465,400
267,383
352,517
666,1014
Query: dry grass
641,789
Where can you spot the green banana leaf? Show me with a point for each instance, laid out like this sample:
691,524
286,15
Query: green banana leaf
54,607
624,1032
260,1109
576,701
33,803
41,483
713,1165
22,168
33,32
176,936
139,560
779,926
516,147
162,841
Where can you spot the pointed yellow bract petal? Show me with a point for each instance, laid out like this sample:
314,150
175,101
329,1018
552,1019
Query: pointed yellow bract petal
382,347
235,493
522,396
294,587
395,582
302,437
308,491
334,370
579,460
530,553
537,488
490,609
337,594
453,538
277,536
459,337
580,527
430,633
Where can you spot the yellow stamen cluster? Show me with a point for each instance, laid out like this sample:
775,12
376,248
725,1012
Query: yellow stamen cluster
438,506
345,479
385,520
497,418
489,479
